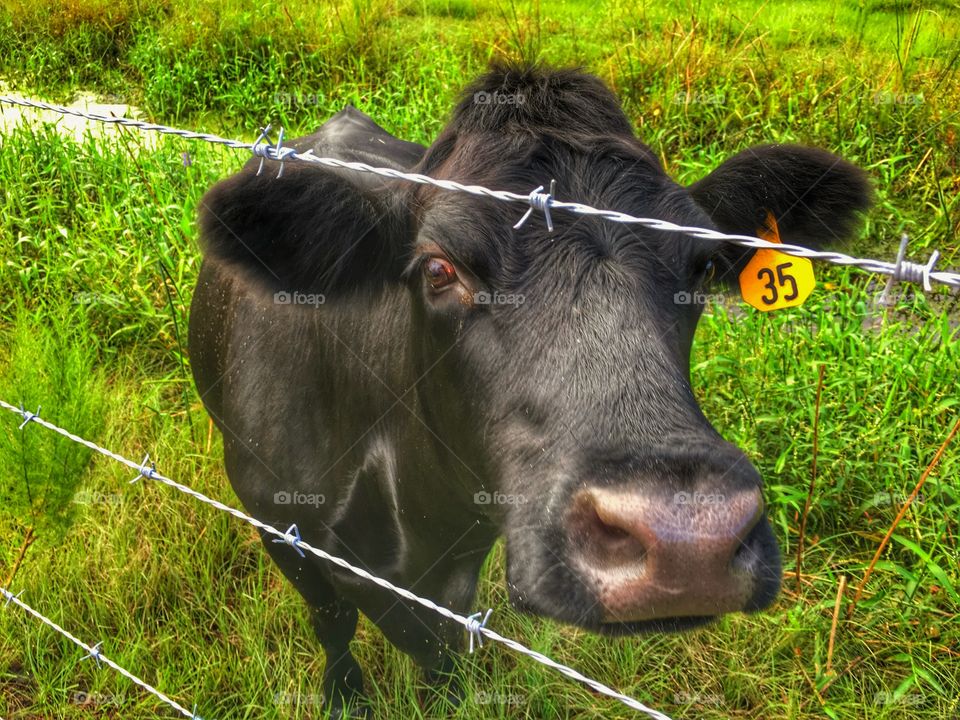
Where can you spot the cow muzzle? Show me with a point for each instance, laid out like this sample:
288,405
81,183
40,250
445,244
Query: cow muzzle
650,556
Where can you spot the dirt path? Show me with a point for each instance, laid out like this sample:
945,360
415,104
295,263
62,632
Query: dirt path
77,128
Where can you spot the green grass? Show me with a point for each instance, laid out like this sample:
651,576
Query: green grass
98,258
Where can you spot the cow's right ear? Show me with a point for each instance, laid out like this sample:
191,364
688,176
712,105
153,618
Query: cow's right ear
815,197
312,230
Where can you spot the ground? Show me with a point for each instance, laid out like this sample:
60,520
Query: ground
98,257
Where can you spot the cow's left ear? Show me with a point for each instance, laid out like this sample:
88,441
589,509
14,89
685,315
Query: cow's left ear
815,197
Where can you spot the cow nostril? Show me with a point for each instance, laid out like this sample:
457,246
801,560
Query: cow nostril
600,541
606,530
744,555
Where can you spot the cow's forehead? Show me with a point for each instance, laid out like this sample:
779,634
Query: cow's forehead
588,258
479,231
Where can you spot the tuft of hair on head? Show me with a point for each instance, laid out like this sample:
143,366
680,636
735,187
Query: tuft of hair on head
534,98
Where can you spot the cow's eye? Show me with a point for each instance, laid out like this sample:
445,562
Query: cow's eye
439,272
709,270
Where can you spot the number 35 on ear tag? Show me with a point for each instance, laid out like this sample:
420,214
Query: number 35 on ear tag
773,280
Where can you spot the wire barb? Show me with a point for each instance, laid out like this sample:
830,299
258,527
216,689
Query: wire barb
539,201
292,538
261,146
143,471
94,653
11,597
475,625
28,416
906,271
280,156
262,149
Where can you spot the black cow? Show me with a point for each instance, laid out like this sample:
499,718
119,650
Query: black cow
406,377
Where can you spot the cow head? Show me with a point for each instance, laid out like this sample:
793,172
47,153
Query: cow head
569,351
553,367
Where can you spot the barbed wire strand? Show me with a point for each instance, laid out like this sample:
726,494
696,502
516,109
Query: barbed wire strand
903,270
94,652
292,537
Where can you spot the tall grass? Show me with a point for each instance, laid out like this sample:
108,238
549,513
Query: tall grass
98,258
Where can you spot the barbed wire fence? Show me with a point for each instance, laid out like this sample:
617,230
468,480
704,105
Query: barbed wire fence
475,625
901,270
95,653
537,201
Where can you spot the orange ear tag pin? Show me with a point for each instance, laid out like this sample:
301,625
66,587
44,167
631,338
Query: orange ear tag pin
773,280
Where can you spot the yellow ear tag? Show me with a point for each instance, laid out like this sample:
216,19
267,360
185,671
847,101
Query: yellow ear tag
773,280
